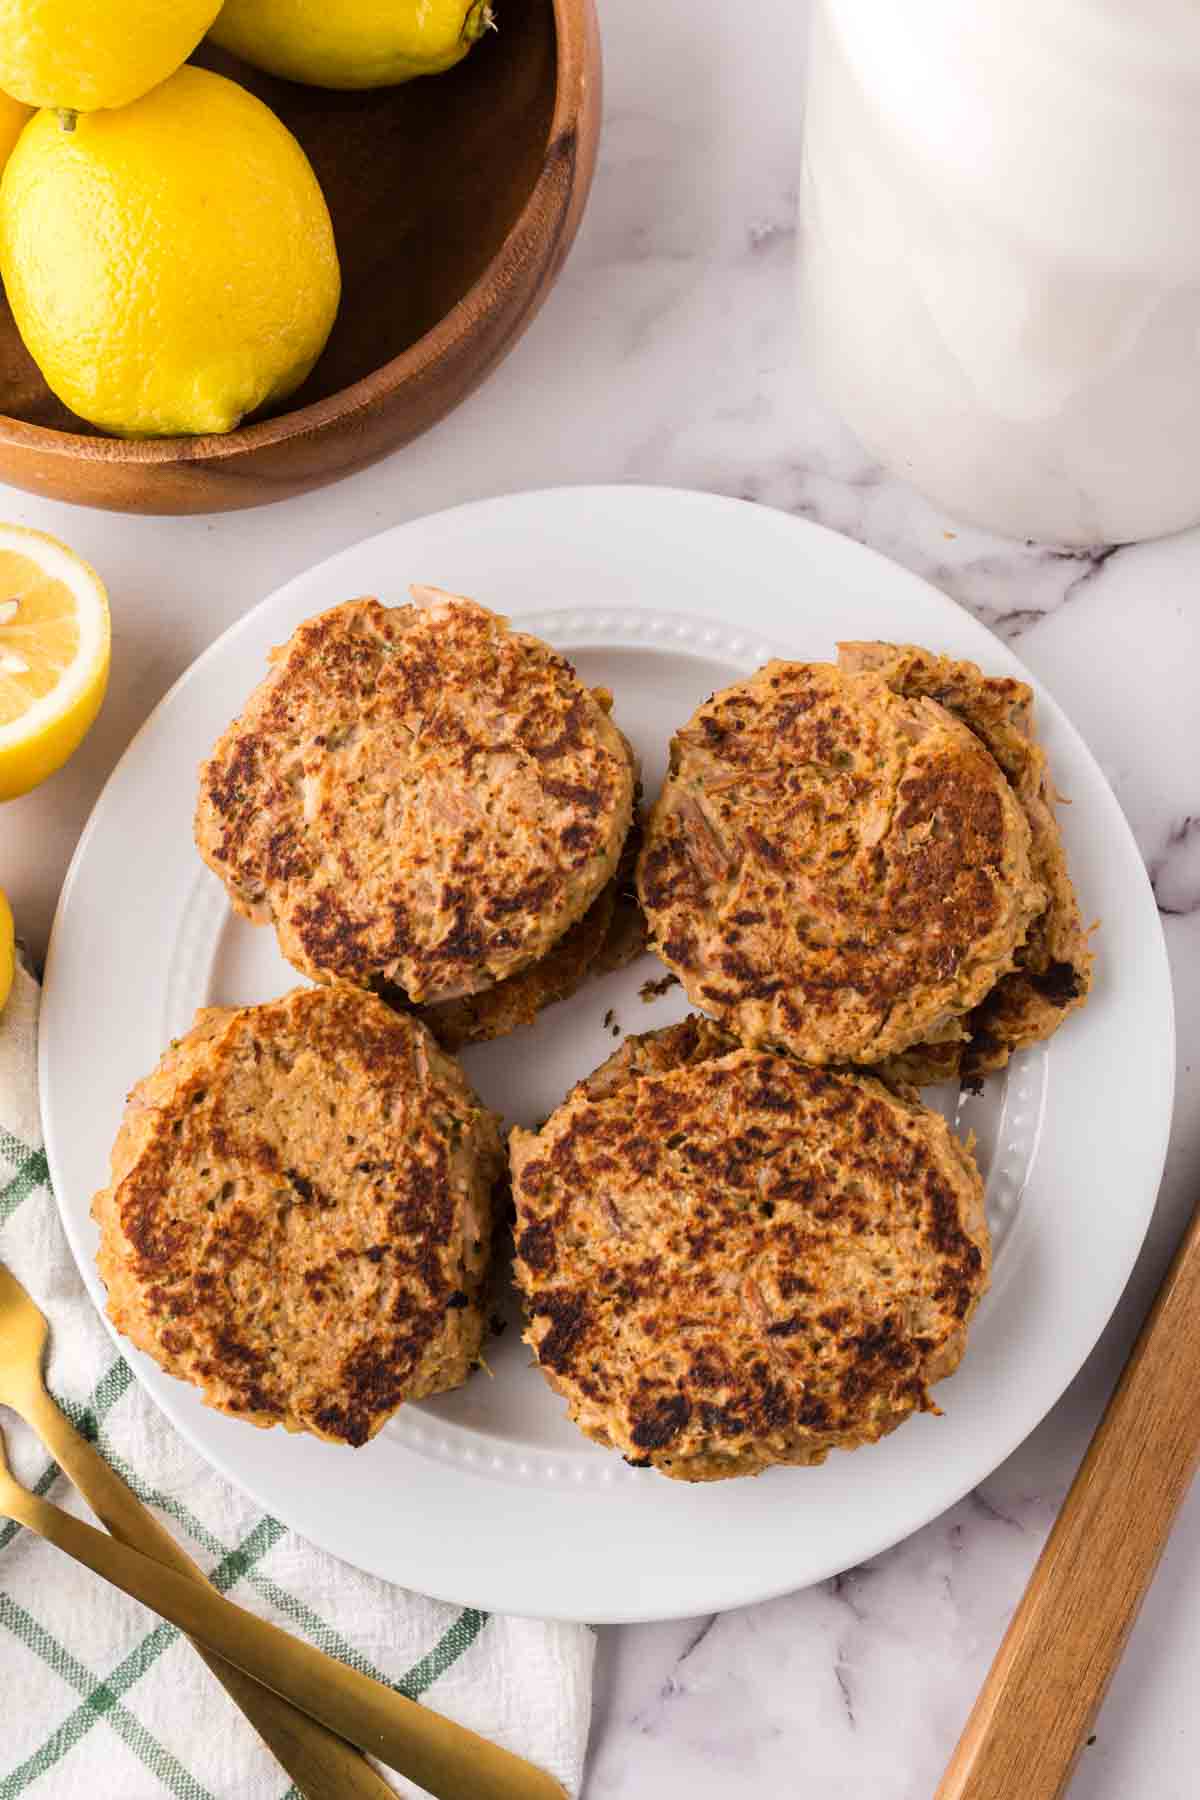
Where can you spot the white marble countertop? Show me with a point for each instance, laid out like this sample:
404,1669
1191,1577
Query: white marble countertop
668,353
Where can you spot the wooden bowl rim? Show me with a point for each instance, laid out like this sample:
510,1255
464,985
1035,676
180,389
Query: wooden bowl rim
571,73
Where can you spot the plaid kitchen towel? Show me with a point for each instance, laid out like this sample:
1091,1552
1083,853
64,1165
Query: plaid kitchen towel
101,1701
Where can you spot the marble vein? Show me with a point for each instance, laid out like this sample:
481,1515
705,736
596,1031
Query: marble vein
1175,872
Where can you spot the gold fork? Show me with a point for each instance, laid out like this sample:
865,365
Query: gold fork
320,1764
443,1757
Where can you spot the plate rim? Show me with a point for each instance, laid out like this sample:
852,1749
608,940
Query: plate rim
733,1589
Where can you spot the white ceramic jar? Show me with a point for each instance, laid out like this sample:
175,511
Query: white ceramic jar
1000,264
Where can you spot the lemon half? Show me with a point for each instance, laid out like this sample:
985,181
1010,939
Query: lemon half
54,655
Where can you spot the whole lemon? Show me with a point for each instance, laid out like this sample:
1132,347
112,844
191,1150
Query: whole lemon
79,55
13,119
351,43
170,266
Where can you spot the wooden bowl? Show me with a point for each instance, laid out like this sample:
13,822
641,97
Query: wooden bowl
454,199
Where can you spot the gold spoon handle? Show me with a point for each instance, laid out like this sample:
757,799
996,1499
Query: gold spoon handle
322,1766
445,1758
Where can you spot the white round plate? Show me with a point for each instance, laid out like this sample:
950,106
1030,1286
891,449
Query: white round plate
488,1496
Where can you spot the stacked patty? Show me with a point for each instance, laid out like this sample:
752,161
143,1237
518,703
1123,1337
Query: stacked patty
417,795
299,1213
860,863
732,1260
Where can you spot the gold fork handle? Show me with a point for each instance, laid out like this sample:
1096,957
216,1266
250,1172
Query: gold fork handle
321,1765
445,1758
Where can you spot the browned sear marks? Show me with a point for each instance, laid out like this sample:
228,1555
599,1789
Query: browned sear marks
416,795
299,1213
1053,966
731,1260
834,868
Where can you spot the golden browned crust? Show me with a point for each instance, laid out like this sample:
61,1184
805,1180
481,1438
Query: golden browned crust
730,1260
418,795
834,869
509,1005
609,935
1053,972
298,1219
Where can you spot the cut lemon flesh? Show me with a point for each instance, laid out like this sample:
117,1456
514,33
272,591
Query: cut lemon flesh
54,655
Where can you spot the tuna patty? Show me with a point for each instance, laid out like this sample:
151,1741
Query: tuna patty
298,1219
416,795
833,868
1053,972
730,1260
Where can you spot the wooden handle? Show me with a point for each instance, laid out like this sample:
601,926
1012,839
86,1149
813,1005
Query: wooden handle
1066,1637
321,1765
446,1759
